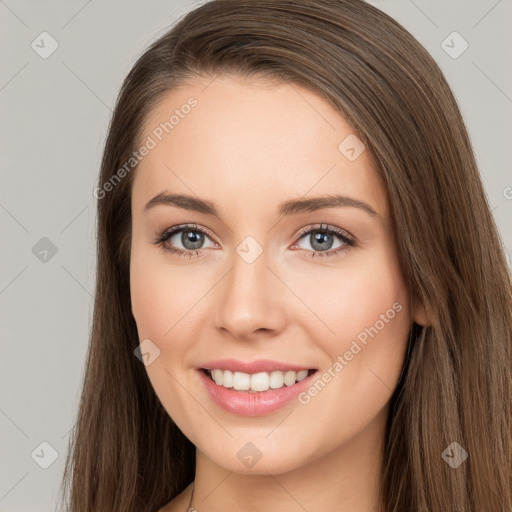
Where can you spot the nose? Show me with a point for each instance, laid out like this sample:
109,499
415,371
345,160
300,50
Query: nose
250,301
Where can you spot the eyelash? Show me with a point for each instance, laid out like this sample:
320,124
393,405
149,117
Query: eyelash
348,241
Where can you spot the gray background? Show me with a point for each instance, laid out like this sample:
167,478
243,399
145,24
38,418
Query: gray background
55,114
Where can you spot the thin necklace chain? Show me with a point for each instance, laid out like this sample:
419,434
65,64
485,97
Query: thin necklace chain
190,507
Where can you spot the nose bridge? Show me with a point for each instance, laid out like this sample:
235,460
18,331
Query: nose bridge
247,300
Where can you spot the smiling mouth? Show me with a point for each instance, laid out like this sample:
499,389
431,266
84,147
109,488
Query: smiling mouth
256,382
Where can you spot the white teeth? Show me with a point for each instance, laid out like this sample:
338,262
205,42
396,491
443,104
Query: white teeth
241,381
302,375
260,381
227,380
276,380
217,376
290,378
256,382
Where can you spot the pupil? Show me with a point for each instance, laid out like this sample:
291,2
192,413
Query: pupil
192,239
321,241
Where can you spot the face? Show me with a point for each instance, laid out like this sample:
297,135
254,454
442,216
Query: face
253,273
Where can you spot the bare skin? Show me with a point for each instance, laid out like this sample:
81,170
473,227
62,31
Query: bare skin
180,503
248,147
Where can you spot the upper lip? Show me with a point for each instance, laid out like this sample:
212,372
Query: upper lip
256,366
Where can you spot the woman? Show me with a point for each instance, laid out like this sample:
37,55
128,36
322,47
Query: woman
302,299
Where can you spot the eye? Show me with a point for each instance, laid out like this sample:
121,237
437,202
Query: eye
190,236
322,241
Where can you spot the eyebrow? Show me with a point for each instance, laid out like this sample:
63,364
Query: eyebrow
291,207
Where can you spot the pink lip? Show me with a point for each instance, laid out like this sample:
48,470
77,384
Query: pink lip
259,365
244,403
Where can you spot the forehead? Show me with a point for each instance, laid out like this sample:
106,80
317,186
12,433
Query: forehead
253,141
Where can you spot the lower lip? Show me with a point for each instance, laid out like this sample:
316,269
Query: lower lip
244,403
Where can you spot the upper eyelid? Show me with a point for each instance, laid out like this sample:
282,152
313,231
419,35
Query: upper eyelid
326,227
189,227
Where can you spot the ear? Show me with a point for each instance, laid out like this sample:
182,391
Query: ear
420,314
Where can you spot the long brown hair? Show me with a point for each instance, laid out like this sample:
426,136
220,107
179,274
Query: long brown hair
126,454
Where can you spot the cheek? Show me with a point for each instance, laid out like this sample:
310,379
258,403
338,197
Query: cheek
150,305
363,309
161,295
367,307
